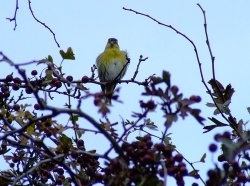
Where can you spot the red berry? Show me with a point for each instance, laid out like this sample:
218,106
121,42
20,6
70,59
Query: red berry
69,78
17,80
60,171
16,107
159,146
174,89
85,79
242,177
97,101
80,143
12,165
147,158
28,90
6,94
221,158
37,106
58,84
196,99
9,78
151,105
217,137
178,157
183,171
74,154
167,152
15,86
212,147
15,159
227,135
33,72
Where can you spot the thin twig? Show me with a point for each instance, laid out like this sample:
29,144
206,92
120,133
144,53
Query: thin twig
123,69
141,59
207,40
191,164
14,17
54,35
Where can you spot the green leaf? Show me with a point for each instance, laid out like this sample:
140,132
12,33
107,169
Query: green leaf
209,128
228,92
166,77
210,105
149,124
74,118
196,114
156,80
229,148
248,109
45,60
126,136
170,118
203,158
50,59
193,173
69,54
217,122
31,129
80,132
218,91
49,74
167,140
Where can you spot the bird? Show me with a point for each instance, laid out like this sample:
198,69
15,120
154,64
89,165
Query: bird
111,65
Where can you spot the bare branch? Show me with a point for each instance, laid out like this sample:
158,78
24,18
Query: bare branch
54,35
232,122
207,40
14,17
141,59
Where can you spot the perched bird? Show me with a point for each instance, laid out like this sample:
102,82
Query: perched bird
112,65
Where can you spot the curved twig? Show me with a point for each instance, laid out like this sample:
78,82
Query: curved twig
37,20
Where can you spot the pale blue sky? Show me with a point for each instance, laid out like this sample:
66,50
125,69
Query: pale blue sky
86,25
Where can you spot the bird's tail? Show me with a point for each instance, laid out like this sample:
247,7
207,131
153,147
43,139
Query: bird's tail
108,91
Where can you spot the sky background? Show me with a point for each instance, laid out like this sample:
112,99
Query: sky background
86,25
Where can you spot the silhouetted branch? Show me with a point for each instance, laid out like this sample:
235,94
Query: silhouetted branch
207,40
232,122
54,35
141,59
14,17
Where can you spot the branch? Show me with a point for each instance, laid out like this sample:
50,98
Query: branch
14,17
207,40
97,125
198,61
137,67
37,20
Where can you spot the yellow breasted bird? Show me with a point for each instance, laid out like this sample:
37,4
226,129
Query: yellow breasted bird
112,65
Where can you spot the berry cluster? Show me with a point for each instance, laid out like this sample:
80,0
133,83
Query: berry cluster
145,162
232,171
88,164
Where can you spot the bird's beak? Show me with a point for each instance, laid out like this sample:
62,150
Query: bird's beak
112,43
